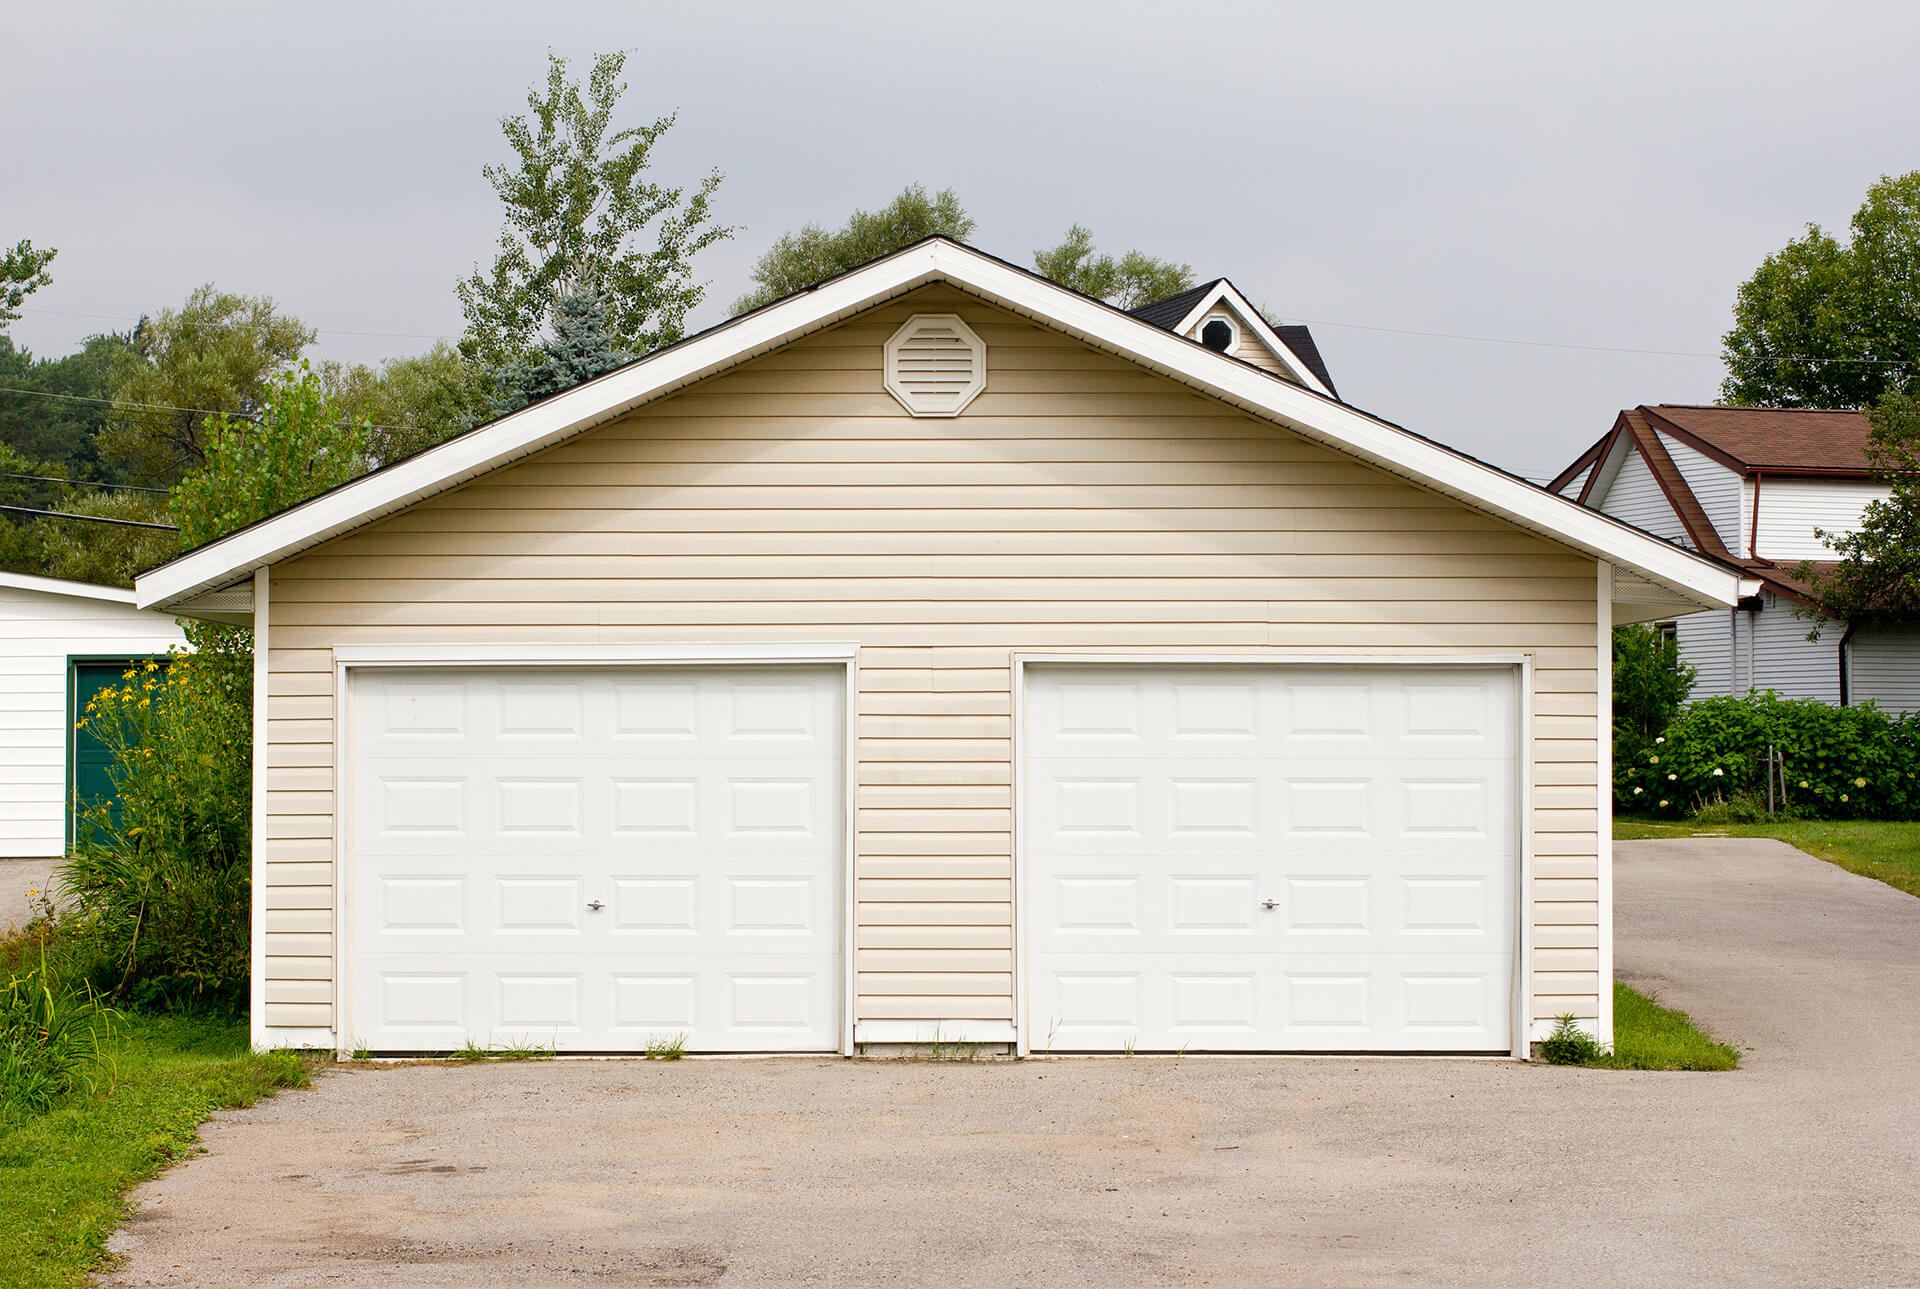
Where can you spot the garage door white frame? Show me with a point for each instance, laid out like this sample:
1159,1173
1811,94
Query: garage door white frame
351,658
1520,664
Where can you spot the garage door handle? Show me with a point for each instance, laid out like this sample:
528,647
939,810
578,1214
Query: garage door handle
1269,904
596,906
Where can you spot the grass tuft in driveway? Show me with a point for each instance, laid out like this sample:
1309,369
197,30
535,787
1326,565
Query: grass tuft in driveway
1646,1036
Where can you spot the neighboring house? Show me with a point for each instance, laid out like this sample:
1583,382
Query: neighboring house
1749,486
936,654
60,643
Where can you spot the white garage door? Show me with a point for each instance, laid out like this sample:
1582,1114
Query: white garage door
1271,859
595,859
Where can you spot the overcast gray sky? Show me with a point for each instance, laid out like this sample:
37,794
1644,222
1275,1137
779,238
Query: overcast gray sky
1590,179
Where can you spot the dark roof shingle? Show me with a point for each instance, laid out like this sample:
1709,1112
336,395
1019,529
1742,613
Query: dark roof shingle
1770,438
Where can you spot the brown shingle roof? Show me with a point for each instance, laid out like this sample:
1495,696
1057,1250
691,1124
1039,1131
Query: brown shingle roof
1788,439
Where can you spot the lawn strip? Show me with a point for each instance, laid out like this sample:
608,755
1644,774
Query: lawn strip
64,1175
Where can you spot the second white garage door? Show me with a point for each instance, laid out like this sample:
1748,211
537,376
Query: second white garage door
1271,859
596,859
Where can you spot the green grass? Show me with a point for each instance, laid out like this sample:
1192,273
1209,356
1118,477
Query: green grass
1886,852
64,1174
1646,1036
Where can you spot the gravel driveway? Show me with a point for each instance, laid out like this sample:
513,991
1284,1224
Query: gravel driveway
1799,1170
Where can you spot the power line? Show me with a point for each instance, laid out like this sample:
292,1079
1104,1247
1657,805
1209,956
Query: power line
84,483
1317,322
181,322
92,519
164,407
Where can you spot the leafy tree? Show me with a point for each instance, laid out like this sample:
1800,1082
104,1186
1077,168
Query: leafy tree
212,357
1650,683
814,254
23,271
59,420
1134,279
582,347
410,404
577,202
1823,323
298,448
1878,576
111,554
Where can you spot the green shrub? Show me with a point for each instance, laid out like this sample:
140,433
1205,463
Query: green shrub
160,878
51,1040
1838,762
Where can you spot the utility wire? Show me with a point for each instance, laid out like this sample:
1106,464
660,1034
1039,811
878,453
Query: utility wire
1317,322
163,407
84,483
92,519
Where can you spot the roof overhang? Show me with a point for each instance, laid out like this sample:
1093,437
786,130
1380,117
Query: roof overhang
1312,415
60,586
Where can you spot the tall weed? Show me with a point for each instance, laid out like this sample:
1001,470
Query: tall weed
160,877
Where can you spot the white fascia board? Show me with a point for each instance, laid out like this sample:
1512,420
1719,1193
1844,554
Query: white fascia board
60,586
1313,416
1257,323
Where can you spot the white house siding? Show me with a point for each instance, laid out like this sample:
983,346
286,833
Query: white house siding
1080,503
1634,496
1783,659
1885,667
1715,487
1578,482
1706,641
1790,510
39,633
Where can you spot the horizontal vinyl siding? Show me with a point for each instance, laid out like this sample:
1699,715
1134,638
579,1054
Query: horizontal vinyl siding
1715,487
1078,504
1706,641
1791,509
1885,664
39,633
1634,496
1783,659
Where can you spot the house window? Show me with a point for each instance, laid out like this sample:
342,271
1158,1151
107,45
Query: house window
1669,631
1219,335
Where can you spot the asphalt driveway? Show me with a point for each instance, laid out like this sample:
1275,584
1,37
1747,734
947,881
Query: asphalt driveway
1800,1169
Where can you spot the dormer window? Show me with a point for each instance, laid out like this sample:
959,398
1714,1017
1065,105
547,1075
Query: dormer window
1219,334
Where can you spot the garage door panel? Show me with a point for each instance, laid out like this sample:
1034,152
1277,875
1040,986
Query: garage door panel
1272,859
591,860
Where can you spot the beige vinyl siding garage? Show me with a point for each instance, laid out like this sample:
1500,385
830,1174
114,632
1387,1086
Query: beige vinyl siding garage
1080,503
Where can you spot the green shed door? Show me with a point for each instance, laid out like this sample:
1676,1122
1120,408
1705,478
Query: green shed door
91,758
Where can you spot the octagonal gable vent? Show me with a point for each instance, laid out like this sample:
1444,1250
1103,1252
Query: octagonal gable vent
935,365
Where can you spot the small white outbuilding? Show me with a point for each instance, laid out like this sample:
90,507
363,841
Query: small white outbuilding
56,639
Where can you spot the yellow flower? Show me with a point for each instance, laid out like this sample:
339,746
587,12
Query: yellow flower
1859,783
1654,759
1673,776
1843,796
1663,805
1805,784
1638,791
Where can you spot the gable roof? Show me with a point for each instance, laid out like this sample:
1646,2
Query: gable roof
1202,300
1786,440
1299,338
1317,417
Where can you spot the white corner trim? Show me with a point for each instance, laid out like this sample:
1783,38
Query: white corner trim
61,586
1603,771
1300,410
257,957
1225,292
933,1031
